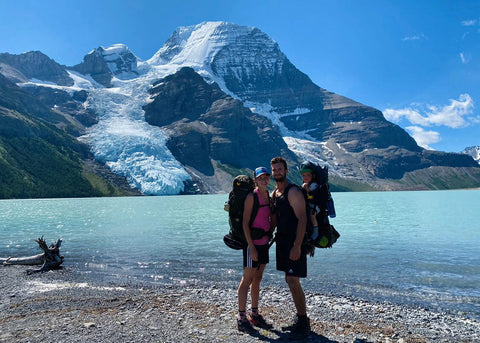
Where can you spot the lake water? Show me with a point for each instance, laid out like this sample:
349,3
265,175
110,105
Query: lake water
418,248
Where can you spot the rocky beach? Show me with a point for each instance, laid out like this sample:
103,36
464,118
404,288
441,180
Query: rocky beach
59,306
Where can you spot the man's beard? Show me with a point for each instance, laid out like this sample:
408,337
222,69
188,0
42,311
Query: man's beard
280,178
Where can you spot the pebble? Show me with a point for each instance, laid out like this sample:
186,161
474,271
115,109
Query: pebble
202,314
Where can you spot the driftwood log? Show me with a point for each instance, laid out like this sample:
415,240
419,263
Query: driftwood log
50,258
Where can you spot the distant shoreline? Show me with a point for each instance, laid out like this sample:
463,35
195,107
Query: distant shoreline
56,306
223,193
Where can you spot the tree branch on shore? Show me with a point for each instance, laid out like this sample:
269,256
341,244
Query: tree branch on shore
50,258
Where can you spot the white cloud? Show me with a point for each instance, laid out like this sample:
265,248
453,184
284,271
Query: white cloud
451,115
422,137
414,38
470,22
465,58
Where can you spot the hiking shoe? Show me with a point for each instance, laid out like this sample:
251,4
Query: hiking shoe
291,326
259,322
244,325
300,329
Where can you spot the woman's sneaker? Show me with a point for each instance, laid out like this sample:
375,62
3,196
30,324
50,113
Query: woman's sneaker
244,325
258,321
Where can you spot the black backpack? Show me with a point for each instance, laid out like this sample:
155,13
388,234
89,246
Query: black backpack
242,186
321,197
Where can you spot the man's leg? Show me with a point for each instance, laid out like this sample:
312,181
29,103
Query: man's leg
301,327
297,294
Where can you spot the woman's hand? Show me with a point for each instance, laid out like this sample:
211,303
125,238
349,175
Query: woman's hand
253,253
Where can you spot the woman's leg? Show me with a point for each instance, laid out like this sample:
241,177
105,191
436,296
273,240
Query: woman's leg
255,286
248,276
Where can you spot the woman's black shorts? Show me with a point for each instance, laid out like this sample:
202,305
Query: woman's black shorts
263,257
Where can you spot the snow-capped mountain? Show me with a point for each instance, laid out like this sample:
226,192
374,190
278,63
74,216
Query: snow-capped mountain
102,64
473,151
161,127
120,60
233,56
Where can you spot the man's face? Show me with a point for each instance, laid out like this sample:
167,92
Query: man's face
279,173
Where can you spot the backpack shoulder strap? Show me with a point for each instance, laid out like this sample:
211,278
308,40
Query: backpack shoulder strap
256,206
287,189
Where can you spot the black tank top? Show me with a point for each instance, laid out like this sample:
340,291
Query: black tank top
286,219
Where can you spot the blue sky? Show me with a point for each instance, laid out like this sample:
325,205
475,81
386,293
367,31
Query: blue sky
418,61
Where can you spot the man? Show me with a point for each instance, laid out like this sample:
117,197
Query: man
291,221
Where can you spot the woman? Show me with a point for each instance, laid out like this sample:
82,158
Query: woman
255,255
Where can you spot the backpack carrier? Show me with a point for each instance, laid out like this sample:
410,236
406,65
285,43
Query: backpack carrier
320,200
242,186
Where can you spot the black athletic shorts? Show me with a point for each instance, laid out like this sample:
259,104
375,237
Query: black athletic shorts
263,257
296,268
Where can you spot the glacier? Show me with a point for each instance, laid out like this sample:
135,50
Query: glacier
127,144
122,139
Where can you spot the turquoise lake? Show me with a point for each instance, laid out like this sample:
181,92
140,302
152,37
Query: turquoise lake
416,248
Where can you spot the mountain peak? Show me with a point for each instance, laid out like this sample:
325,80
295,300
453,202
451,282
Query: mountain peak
119,59
473,151
102,63
37,65
198,44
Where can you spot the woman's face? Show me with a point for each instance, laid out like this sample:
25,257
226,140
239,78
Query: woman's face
263,180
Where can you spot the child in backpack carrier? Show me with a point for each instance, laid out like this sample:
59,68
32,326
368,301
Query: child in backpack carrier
319,203
310,186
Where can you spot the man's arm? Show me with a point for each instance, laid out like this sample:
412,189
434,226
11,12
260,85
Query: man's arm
297,201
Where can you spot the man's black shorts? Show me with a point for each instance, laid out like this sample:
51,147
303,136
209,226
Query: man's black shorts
263,257
296,268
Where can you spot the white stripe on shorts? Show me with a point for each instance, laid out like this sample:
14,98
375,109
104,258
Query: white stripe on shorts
249,260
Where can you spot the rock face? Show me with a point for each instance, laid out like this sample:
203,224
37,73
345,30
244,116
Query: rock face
205,124
95,65
103,63
65,105
36,65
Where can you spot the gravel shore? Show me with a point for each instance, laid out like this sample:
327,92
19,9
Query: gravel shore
57,307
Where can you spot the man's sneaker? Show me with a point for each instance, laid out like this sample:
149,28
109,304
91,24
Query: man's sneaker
259,322
244,325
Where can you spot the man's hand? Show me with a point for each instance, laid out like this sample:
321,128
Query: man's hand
295,253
